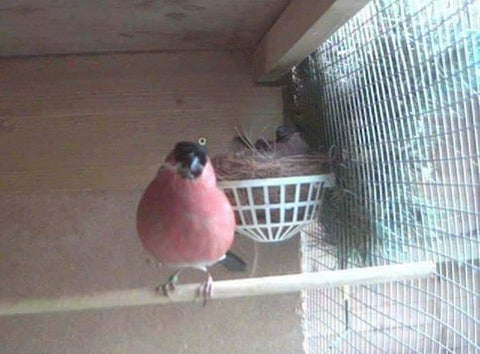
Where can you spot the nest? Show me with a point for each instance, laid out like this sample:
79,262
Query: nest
253,165
260,165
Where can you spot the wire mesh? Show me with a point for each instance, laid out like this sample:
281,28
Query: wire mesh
394,95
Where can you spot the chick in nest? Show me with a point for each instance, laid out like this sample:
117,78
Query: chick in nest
288,142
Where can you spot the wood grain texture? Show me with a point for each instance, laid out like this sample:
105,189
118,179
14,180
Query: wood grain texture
106,122
300,29
65,243
38,27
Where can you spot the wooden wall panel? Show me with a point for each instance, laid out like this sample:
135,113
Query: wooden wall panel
38,27
72,242
105,122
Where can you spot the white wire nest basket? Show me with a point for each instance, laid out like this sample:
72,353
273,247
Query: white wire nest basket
275,209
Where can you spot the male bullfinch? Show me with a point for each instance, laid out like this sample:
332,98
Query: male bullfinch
184,220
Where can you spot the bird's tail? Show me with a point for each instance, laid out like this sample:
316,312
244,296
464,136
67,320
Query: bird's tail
233,262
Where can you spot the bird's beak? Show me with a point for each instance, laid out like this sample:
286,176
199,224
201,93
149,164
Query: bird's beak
192,170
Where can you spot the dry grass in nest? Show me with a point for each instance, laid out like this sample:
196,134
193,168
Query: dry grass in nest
253,165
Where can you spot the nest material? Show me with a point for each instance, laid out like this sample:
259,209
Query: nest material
252,165
256,165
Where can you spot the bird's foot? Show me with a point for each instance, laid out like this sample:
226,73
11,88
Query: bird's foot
205,289
169,286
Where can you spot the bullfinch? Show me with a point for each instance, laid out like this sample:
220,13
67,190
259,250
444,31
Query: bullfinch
184,220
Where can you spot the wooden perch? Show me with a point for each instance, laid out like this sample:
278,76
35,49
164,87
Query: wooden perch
222,289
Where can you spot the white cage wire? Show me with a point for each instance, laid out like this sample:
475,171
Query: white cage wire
396,91
275,209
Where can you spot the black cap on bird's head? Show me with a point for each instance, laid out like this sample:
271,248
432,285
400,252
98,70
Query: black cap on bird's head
191,159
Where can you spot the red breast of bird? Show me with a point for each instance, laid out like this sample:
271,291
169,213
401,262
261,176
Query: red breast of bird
185,221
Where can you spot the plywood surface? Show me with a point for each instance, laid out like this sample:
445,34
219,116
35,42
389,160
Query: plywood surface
54,243
80,138
36,27
106,122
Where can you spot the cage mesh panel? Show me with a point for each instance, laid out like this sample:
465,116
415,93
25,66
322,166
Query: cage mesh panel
393,95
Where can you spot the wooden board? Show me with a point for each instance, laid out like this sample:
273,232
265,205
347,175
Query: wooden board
65,243
37,27
301,28
106,122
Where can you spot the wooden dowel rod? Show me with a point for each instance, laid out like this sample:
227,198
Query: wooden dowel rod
222,289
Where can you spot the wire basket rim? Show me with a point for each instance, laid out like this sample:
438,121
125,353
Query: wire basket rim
326,178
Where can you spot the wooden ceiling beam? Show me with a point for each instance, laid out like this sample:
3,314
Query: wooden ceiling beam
300,29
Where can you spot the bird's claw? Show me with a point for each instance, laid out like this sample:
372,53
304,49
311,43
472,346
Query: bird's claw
169,286
205,289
